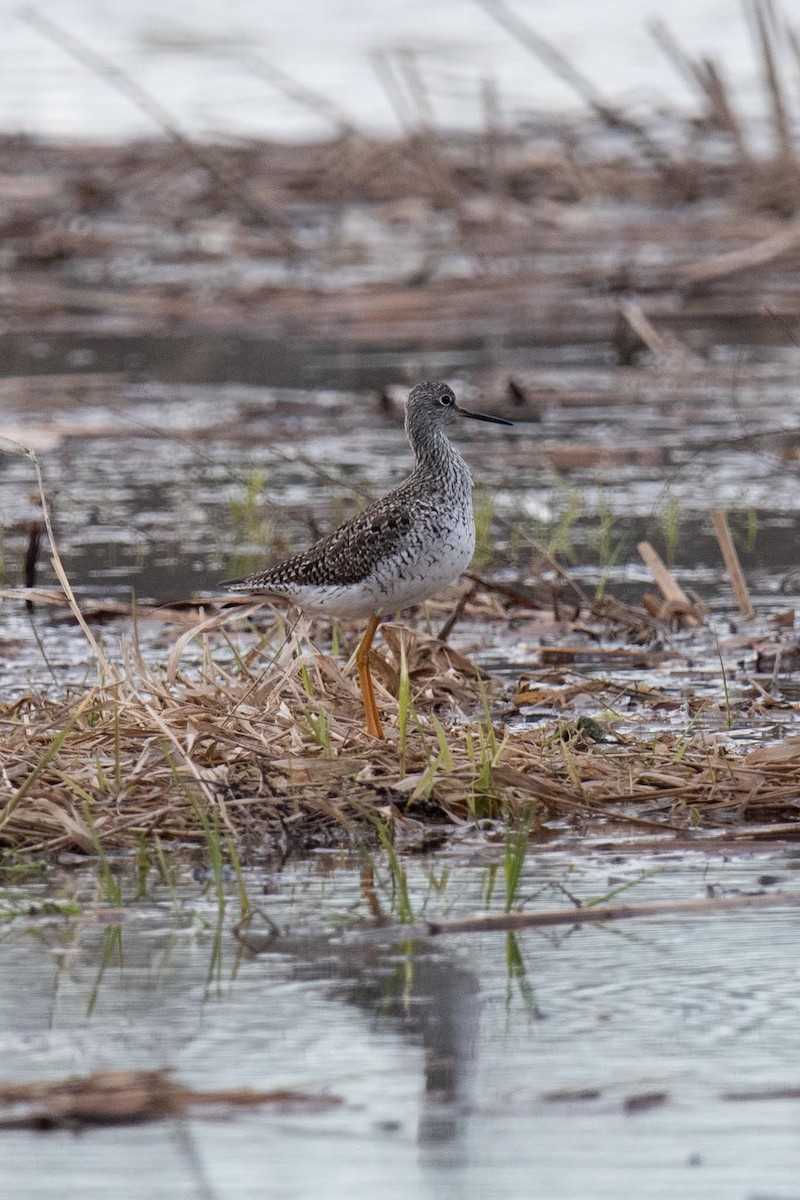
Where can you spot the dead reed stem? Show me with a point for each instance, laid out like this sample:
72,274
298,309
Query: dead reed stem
732,564
674,595
602,913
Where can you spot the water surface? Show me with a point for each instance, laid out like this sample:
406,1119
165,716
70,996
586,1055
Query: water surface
468,1066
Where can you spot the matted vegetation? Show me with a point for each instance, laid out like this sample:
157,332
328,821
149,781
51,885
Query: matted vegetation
267,749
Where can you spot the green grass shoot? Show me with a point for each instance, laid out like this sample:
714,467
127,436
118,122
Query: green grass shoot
725,692
623,887
609,548
320,728
670,528
483,507
488,884
515,846
110,884
245,907
399,876
517,974
559,543
403,707
142,868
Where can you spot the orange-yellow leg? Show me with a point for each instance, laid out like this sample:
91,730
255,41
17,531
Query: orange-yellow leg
374,727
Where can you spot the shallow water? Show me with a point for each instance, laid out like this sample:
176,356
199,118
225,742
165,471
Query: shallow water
448,1053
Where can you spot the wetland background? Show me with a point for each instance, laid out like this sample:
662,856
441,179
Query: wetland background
207,333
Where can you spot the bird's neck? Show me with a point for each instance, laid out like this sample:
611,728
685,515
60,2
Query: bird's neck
437,456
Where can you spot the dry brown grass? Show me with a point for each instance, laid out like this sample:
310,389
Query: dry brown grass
275,755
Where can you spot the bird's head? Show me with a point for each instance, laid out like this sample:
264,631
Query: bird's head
432,406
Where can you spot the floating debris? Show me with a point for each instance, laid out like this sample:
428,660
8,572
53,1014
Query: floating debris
129,1097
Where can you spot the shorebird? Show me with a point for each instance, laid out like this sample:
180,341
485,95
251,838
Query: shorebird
402,549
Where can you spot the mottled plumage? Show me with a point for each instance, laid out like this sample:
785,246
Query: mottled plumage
404,547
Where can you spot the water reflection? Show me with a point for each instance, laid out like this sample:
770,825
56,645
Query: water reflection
416,988
446,1053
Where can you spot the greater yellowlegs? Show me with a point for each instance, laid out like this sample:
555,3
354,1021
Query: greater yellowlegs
400,550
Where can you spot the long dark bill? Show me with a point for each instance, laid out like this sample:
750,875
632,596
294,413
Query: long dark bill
482,417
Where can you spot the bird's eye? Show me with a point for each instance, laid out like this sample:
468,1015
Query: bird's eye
446,399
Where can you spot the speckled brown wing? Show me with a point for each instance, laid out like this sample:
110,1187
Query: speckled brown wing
346,556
